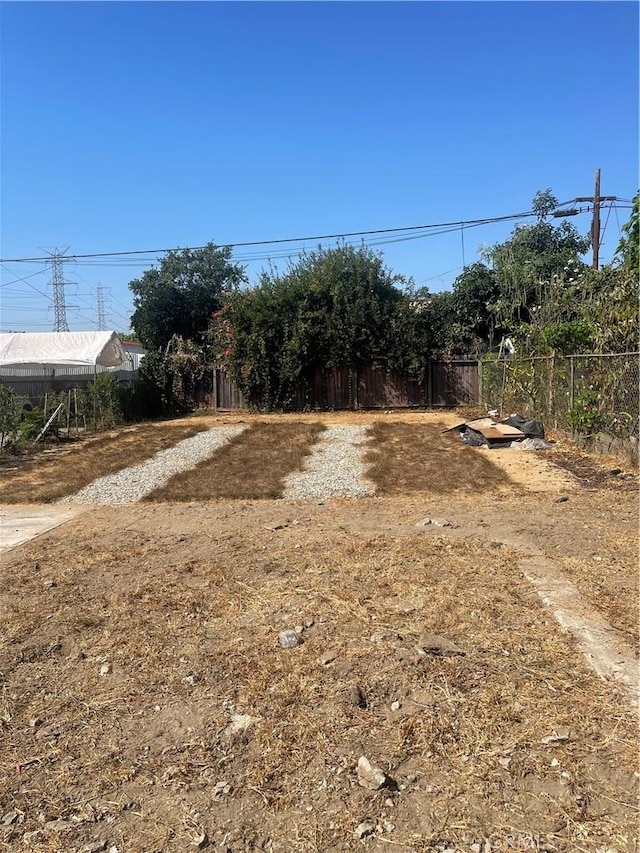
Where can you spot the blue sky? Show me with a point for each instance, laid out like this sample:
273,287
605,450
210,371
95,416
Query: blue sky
148,125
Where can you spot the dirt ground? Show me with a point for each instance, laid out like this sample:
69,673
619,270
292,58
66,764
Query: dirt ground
147,705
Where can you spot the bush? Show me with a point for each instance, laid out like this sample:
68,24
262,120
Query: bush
586,417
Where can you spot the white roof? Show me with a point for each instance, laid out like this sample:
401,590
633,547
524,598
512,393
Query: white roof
61,349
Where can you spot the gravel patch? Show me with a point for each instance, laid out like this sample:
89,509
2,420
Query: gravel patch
334,468
133,484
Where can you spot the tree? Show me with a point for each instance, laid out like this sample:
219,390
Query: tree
531,259
544,203
475,292
180,297
628,251
333,307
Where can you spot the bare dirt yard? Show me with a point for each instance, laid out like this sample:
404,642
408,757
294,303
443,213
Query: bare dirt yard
148,705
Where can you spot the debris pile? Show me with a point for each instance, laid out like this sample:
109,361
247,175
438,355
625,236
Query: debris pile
516,432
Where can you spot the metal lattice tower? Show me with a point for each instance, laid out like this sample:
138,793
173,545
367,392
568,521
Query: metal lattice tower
102,317
58,283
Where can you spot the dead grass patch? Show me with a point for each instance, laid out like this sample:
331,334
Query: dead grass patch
408,458
192,640
251,466
42,478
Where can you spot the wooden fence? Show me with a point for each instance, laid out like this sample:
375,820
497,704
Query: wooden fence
447,383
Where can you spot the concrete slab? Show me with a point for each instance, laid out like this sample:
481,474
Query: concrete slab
21,522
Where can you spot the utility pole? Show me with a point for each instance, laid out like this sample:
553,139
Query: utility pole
596,200
595,223
58,283
102,321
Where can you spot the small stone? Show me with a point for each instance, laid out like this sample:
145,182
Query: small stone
369,776
58,825
432,644
106,669
562,499
288,639
363,830
615,471
299,629
191,680
48,584
436,522
10,817
327,658
309,623
504,762
389,803
200,841
387,826
395,706
240,723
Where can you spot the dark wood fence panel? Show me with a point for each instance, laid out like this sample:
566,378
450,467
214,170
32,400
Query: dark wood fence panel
454,383
388,389
228,395
333,389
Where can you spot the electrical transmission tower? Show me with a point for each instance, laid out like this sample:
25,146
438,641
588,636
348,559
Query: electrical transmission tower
58,283
102,318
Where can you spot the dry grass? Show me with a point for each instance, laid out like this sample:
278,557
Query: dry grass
408,457
187,608
252,465
63,471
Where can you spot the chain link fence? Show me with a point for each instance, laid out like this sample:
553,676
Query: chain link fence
587,394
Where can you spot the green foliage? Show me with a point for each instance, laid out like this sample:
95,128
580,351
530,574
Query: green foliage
99,403
168,382
612,310
586,417
31,424
628,247
333,307
10,406
568,338
533,257
475,291
180,296
544,203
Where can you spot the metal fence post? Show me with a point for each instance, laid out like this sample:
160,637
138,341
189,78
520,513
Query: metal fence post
571,381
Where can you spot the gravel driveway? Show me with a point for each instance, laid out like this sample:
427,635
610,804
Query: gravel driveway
334,468
132,484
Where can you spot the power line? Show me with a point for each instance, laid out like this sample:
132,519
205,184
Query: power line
336,236
19,280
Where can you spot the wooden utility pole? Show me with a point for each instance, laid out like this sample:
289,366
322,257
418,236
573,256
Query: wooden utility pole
595,222
596,200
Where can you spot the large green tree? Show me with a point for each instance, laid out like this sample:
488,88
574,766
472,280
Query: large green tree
333,307
534,257
180,296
